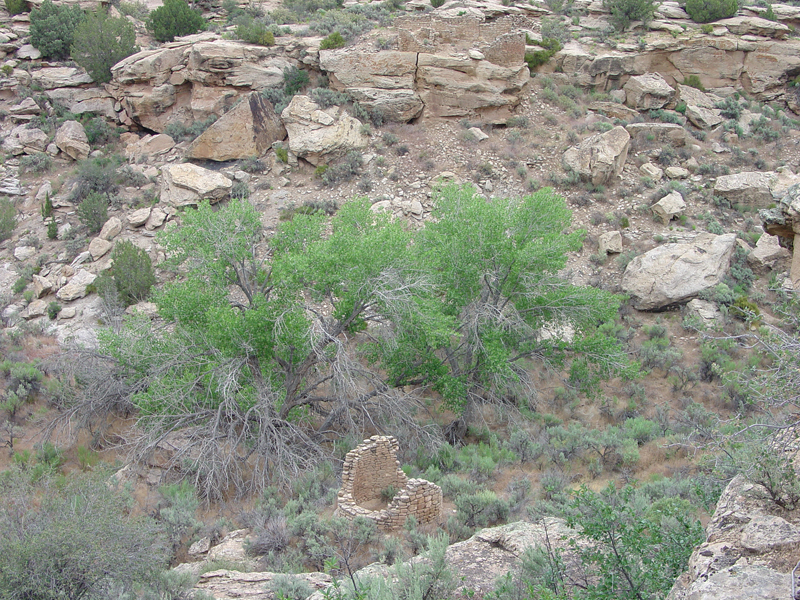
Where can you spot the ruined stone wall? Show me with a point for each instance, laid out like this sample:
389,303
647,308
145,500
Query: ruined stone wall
371,468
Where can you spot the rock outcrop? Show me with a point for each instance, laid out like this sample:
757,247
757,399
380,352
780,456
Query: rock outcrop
317,134
675,273
248,130
188,184
600,157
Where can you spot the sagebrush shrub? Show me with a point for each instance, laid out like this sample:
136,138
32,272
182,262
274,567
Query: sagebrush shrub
8,219
254,32
175,18
705,11
53,28
101,42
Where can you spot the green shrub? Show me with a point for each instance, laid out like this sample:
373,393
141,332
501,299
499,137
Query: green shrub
334,40
705,11
294,80
437,3
53,28
539,57
282,154
17,7
39,162
481,508
186,133
98,174
624,12
137,9
53,309
240,190
173,19
77,540
93,211
326,97
131,275
179,513
8,219
254,32
52,229
100,132
101,42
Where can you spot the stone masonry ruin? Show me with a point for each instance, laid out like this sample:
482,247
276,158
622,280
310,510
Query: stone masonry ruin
373,467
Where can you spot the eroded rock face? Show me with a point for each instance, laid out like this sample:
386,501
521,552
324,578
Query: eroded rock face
71,140
318,135
600,157
751,188
187,184
246,131
648,91
675,273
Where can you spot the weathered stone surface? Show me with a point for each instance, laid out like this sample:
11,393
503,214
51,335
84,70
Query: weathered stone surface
669,207
768,254
37,308
41,286
751,188
704,118
201,546
76,286
675,273
676,173
232,548
71,140
33,140
99,247
769,532
462,87
58,77
662,133
149,146
652,171
139,217
235,585
648,91
247,130
84,100
742,583
614,110
186,184
383,82
754,26
24,252
196,77
706,311
478,134
600,157
610,242
318,135
156,219
111,229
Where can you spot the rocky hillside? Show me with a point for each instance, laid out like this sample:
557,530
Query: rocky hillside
676,145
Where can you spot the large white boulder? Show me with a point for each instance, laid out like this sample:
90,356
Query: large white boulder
675,273
187,184
600,157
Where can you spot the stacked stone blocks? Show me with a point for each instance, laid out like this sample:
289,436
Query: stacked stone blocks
373,467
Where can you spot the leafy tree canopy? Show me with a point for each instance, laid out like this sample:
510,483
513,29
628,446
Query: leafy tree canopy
275,345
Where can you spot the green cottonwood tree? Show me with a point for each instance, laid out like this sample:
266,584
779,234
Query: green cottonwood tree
276,345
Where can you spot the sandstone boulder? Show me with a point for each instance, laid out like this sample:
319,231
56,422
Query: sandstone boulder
610,242
318,135
76,286
648,91
675,273
600,157
652,171
669,207
149,146
768,254
41,286
33,140
187,184
99,247
707,312
59,77
704,118
84,100
383,82
138,217
247,130
71,140
111,229
662,133
755,26
750,188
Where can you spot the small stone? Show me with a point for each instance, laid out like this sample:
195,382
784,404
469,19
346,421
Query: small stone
99,247
478,134
137,218
676,172
650,170
610,243
476,55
